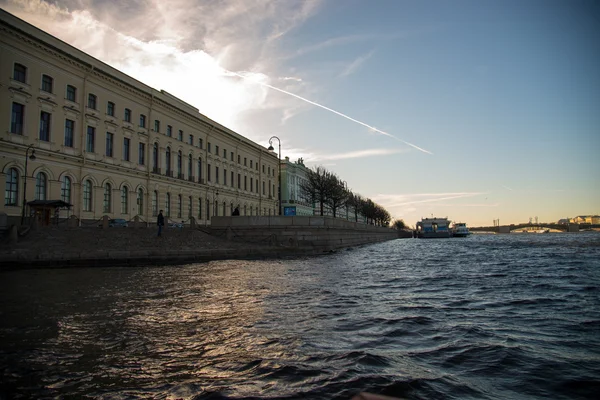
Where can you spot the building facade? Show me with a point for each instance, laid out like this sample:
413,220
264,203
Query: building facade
110,145
292,199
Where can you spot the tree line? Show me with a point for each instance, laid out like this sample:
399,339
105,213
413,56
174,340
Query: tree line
325,188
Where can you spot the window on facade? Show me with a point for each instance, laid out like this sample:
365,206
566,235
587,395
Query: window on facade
45,126
16,121
239,181
199,169
200,142
239,159
140,202
109,144
156,125
225,153
208,172
231,178
65,189
179,205
127,115
169,130
47,82
250,163
207,208
92,101
208,147
11,190
124,200
245,161
168,205
180,136
179,163
217,150
155,157
87,195
90,140
251,184
141,153
216,174
71,93
263,188
41,182
110,109
107,198
154,203
190,166
231,154
190,206
224,176
168,161
245,183
20,73
263,168
199,207
142,121
269,170
191,140
126,149
69,132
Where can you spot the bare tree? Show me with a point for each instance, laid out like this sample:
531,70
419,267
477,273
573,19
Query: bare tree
316,186
337,193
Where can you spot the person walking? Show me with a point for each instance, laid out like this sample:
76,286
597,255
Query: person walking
160,221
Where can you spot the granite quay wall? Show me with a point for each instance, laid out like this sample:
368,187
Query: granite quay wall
315,232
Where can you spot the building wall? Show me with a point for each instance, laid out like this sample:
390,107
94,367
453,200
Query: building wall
227,170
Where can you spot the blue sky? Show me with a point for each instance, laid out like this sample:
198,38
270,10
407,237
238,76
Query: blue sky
475,110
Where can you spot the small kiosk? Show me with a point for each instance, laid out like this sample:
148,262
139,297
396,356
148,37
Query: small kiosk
44,210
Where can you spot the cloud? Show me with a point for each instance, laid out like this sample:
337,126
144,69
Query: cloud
397,200
355,65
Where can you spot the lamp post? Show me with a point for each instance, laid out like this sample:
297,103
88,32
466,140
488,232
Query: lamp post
32,158
215,204
279,165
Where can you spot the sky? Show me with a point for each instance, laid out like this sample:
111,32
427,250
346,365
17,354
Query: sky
473,110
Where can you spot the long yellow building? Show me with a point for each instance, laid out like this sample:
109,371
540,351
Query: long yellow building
110,145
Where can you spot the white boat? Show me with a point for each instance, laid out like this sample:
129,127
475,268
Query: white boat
459,229
430,228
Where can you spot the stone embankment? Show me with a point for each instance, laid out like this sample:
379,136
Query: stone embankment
64,247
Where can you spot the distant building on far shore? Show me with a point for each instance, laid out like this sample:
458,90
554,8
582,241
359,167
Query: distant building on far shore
585,219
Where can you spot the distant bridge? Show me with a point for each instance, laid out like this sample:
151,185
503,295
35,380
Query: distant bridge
526,227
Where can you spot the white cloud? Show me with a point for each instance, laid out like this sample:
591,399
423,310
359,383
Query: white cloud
355,65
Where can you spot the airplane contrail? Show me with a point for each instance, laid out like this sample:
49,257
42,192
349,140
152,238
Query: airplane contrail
329,109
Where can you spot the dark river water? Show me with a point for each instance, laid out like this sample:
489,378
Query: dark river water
485,317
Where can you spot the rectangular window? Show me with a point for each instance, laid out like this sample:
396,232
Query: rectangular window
245,161
224,177
47,83
109,144
141,153
71,93
45,126
208,147
251,184
16,121
142,121
263,168
216,174
191,140
200,142
225,153
169,130
239,181
126,142
156,125
180,136
231,178
20,73
91,139
250,163
110,109
238,158
217,151
263,185
92,101
127,115
245,183
69,132
231,155
208,172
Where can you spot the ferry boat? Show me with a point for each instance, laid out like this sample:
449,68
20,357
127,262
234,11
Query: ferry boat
459,229
430,228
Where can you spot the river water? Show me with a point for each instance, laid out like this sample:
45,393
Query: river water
485,317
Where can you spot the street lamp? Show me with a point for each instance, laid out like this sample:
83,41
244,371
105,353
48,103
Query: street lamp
215,204
32,158
279,165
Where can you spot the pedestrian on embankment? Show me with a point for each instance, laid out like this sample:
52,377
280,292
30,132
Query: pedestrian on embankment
160,221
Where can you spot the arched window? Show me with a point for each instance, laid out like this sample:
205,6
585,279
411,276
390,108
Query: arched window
190,207
41,183
107,198
154,203
168,205
87,195
179,205
190,168
12,187
140,202
199,207
168,161
199,170
155,157
179,164
124,200
65,189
